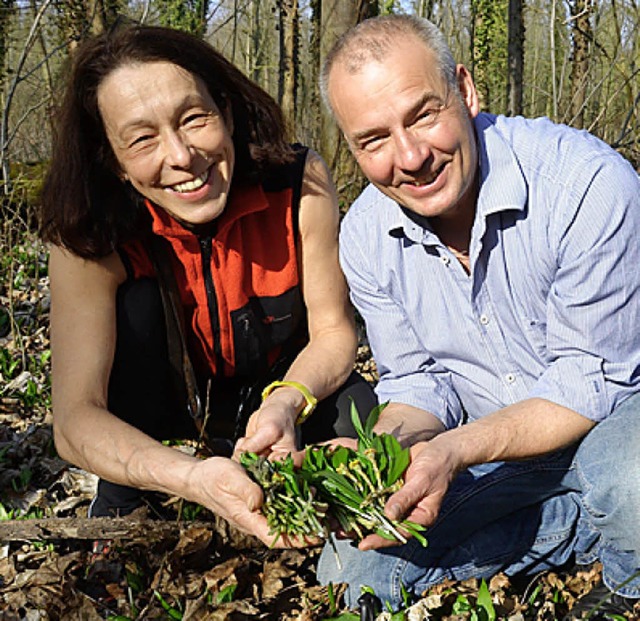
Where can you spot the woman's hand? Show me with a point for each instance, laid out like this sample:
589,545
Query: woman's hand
224,487
271,429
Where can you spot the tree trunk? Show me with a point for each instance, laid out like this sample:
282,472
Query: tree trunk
6,10
425,9
515,61
255,46
480,48
581,37
80,19
102,14
315,104
190,16
337,16
289,54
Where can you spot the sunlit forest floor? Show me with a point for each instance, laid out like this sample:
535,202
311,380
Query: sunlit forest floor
185,563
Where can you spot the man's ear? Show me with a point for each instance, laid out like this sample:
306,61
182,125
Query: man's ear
468,91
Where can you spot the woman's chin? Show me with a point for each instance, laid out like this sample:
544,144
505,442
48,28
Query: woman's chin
195,215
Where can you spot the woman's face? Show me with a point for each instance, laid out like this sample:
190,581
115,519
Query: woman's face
171,141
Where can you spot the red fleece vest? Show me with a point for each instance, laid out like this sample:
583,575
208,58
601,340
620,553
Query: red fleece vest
240,288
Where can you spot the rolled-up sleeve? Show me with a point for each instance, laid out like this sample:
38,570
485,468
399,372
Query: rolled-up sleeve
593,309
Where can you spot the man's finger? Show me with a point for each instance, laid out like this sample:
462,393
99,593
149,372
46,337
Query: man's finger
375,542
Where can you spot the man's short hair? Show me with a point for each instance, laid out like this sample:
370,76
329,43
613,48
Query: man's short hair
372,39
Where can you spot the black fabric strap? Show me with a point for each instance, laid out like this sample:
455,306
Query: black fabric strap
183,375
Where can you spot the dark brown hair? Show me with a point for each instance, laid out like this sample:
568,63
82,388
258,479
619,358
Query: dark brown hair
85,206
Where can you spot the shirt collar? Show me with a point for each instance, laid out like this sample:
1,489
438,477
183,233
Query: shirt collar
412,226
502,185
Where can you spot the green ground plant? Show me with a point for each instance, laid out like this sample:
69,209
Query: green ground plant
24,345
337,485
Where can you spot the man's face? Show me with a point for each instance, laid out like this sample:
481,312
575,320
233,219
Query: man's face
411,134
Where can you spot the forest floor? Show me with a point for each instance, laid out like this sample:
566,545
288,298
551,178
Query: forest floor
187,565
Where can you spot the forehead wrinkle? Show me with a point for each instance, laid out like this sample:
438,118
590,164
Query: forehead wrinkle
146,107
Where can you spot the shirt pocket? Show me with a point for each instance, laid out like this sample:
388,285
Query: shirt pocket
536,333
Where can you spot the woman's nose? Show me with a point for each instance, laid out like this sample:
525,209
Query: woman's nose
178,151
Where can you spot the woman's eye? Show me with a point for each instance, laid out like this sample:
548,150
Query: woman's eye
140,140
196,118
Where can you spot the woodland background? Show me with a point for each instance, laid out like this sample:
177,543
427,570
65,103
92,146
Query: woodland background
575,61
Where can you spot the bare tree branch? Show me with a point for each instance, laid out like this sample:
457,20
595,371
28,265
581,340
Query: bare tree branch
4,127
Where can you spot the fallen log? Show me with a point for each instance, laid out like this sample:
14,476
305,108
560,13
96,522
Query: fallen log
125,528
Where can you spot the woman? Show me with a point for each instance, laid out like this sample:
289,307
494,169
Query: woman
193,271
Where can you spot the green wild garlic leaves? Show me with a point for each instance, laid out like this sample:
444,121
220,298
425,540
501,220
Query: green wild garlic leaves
336,485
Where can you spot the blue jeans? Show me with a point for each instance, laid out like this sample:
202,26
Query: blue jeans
578,505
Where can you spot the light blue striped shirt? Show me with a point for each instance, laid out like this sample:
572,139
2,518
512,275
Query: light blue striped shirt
551,308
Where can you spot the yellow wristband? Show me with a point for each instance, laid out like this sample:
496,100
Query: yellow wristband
306,393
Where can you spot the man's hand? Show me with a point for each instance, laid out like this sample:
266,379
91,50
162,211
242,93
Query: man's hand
426,482
525,429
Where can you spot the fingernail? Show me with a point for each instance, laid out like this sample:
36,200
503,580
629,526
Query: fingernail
394,512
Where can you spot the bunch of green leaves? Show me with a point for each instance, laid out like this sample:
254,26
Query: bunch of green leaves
356,483
350,486
290,505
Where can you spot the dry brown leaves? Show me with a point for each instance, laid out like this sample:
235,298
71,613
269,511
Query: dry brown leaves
203,571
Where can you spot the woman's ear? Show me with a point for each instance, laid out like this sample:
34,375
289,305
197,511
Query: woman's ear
227,114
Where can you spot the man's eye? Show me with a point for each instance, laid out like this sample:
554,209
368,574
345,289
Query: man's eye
428,116
371,144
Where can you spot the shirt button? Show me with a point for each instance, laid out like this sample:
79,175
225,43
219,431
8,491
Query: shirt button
510,378
484,320
445,260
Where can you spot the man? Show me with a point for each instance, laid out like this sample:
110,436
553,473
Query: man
495,263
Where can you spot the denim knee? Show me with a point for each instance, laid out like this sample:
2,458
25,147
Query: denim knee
608,466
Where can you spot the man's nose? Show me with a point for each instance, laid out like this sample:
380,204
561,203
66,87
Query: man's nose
411,151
